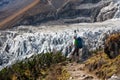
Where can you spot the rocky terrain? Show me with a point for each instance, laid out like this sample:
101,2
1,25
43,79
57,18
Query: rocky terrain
78,72
46,26
34,12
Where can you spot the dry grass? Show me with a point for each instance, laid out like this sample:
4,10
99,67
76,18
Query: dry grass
113,37
102,66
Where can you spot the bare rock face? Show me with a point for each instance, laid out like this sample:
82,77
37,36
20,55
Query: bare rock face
35,12
74,11
107,12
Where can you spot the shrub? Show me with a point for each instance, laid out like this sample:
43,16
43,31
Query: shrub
36,67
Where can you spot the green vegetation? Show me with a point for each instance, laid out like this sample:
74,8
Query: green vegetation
47,66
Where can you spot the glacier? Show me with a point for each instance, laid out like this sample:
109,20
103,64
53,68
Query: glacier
24,41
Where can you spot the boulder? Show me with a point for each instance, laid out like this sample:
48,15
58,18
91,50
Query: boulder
112,46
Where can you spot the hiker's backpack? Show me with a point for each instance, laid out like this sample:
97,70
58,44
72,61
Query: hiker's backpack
80,42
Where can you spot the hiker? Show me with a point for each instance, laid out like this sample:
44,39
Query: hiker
77,44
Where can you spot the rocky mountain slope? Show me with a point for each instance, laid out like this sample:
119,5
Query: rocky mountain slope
34,12
13,11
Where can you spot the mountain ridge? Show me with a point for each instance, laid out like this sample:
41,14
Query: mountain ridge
69,11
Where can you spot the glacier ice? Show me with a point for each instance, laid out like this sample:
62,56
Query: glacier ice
24,41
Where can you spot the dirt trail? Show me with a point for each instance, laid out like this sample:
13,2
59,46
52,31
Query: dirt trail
77,72
17,16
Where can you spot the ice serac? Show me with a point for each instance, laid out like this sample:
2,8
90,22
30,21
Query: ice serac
24,41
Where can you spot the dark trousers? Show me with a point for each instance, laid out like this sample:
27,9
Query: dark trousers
76,52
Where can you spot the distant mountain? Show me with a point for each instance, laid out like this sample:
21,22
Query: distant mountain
33,12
